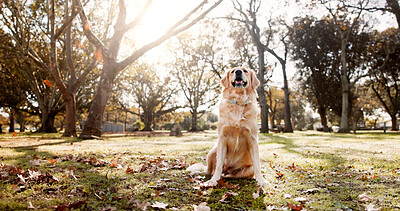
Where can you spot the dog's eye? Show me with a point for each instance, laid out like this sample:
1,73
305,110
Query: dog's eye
232,71
245,71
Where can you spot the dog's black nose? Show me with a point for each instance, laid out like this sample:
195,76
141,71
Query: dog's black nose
238,72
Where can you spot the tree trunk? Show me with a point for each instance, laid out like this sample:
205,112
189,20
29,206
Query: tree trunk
47,123
12,121
272,119
324,121
70,118
261,91
394,122
92,126
194,122
344,119
22,126
147,119
288,123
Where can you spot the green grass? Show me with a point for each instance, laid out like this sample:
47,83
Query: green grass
309,170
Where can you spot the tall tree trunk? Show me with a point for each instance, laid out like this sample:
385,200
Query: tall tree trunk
324,121
344,119
12,121
70,111
288,122
261,92
94,121
394,122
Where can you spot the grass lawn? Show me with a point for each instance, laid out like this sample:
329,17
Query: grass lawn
307,170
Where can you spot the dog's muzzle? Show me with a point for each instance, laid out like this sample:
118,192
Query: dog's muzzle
239,82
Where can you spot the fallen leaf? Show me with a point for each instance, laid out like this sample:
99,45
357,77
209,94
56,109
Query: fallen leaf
30,206
52,161
201,207
221,183
301,199
159,205
364,197
296,206
311,191
371,207
279,175
114,164
129,170
227,195
287,196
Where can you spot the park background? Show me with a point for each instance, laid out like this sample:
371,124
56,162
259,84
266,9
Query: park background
73,70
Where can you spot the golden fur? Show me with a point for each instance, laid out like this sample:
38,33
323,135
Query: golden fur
236,153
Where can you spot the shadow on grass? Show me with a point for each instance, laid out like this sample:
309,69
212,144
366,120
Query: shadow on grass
339,183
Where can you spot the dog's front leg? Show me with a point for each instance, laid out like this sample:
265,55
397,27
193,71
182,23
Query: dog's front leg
221,152
255,158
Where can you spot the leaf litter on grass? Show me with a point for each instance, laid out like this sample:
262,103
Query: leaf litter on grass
112,179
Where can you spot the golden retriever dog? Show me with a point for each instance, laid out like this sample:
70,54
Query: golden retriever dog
236,154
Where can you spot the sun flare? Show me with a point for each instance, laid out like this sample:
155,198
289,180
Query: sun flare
160,16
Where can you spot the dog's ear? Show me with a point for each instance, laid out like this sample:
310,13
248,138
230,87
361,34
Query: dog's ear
225,80
254,80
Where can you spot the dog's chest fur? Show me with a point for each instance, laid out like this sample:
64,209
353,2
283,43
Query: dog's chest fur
238,110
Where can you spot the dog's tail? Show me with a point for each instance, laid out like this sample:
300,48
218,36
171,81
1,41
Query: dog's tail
197,168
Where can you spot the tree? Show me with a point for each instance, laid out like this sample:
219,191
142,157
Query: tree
68,88
316,47
384,75
282,60
195,75
152,94
14,87
37,34
109,54
345,19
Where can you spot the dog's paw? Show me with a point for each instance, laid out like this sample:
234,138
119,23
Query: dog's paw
210,183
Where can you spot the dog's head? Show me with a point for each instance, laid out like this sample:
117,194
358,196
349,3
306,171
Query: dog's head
240,78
